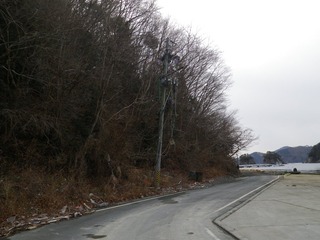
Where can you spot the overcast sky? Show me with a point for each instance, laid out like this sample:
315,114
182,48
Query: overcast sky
273,50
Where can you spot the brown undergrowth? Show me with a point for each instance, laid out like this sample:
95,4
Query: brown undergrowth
33,192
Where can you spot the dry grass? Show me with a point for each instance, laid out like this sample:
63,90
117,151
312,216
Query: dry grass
32,192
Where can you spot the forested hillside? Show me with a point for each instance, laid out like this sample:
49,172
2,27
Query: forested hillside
79,95
294,154
288,154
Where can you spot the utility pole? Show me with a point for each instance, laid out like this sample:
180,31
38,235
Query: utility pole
163,84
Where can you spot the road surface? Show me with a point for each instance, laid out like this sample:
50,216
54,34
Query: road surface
181,216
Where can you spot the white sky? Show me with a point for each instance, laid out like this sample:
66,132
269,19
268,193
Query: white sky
273,50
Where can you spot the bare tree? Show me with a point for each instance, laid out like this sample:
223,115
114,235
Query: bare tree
79,85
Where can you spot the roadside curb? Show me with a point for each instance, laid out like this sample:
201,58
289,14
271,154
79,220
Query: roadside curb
170,192
140,201
157,196
218,221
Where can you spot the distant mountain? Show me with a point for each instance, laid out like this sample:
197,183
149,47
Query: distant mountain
294,154
285,147
288,154
258,157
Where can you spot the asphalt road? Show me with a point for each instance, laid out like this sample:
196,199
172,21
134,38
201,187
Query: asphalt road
184,216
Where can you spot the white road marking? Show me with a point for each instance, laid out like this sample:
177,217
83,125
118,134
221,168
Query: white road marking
139,201
225,206
212,234
207,230
156,197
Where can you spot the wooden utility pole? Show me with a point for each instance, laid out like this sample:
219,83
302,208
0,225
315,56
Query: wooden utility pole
163,84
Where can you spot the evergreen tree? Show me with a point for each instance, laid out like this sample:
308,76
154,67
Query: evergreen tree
314,155
246,159
272,158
